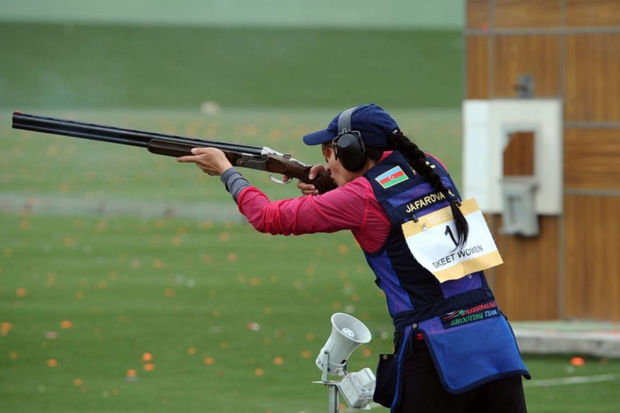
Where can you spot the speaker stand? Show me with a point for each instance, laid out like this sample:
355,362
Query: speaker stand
334,402
334,399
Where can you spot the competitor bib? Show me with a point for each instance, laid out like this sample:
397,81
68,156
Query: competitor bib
433,242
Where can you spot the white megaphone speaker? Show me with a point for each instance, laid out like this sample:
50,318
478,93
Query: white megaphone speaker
347,334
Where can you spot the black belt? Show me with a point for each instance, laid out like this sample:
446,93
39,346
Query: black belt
466,299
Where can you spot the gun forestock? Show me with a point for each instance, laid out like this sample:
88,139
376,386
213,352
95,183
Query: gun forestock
243,159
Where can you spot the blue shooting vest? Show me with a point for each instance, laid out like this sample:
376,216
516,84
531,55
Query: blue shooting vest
469,339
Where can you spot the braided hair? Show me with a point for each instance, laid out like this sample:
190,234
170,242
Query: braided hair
417,159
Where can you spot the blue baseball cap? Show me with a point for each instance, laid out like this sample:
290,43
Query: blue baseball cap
371,121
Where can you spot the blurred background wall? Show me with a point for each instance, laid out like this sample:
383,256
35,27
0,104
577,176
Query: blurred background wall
571,51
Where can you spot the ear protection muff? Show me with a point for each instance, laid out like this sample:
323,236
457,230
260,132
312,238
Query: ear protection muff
348,144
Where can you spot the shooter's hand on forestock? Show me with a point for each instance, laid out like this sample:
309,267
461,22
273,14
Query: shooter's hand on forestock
211,161
309,189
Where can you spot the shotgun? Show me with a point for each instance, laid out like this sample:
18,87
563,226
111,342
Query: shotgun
254,157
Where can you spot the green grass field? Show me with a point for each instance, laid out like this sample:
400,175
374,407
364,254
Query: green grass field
231,321
106,313
72,65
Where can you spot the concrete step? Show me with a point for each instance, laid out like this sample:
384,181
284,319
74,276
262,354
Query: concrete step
601,339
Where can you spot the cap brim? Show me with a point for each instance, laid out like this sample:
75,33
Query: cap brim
318,137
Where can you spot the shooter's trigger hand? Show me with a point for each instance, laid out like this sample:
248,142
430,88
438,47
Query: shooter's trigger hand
309,189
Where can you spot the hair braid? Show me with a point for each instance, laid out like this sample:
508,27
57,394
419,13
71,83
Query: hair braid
417,159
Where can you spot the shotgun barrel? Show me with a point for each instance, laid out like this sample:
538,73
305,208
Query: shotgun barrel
254,157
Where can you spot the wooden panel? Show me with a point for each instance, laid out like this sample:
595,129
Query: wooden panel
478,14
592,13
592,159
478,67
527,14
592,226
526,285
534,55
592,78
519,154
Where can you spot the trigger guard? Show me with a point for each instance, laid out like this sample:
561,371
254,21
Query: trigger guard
278,181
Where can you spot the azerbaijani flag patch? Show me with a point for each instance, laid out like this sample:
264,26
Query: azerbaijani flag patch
392,177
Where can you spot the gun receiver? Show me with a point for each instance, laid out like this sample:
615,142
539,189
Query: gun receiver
254,157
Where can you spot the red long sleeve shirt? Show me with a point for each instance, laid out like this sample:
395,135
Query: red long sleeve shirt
352,206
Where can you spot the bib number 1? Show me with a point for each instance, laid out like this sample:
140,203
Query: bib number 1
433,242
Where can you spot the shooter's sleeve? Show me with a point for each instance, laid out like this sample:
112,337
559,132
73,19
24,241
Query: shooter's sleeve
234,182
